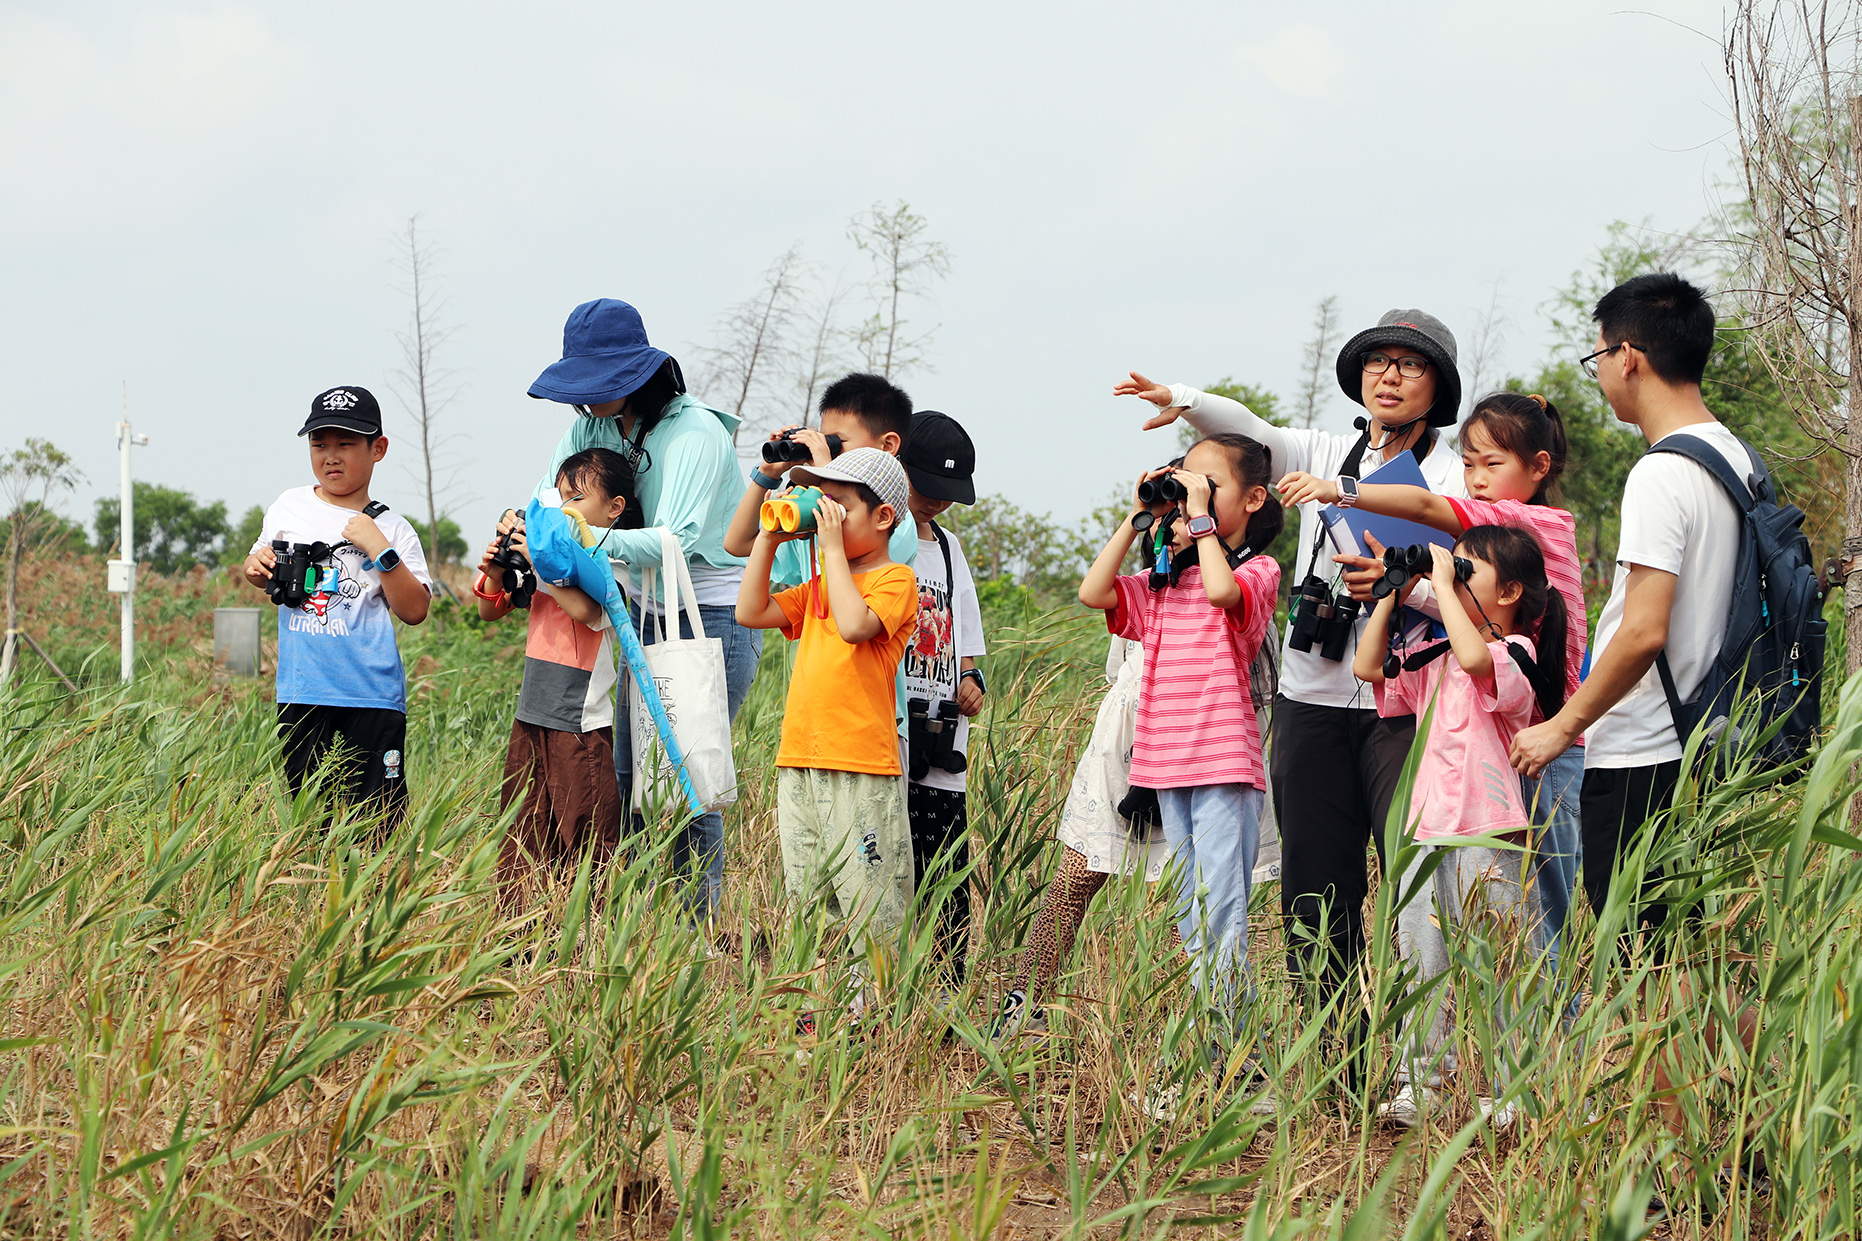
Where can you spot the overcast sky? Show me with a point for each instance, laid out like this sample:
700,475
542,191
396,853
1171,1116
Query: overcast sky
197,200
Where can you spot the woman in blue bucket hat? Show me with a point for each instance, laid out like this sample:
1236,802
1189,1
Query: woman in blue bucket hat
630,397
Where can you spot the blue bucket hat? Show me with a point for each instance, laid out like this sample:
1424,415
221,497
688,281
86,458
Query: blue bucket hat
605,356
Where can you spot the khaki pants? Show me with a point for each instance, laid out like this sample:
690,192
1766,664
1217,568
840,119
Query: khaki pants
847,833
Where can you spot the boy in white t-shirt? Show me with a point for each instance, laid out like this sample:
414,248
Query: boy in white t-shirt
1674,574
339,670
943,686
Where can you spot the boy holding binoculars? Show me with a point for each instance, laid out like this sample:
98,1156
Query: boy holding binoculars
840,805
339,670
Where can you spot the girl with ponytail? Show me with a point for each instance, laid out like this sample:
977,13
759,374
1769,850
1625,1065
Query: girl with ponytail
1512,455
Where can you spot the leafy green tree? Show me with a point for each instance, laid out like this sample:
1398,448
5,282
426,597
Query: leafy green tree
450,547
29,477
44,529
173,531
244,535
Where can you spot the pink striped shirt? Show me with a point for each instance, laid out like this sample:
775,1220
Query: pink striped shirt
1556,531
1196,722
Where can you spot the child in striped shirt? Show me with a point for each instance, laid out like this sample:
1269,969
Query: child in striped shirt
1197,742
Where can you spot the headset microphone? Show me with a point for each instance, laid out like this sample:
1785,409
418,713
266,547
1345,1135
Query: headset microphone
1361,423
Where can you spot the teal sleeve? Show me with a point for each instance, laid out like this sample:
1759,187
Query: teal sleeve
695,465
790,567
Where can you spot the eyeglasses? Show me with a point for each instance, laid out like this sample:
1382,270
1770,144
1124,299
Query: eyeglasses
1409,366
1589,360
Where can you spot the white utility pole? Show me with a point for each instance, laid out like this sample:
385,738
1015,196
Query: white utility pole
122,571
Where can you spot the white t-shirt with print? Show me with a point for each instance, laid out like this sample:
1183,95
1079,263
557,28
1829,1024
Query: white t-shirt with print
947,633
1676,518
338,649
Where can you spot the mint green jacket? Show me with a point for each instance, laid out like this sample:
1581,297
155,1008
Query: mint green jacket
691,487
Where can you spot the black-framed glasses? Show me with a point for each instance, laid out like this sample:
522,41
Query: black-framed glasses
1409,365
1589,360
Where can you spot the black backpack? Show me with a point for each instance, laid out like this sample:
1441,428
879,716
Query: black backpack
1775,630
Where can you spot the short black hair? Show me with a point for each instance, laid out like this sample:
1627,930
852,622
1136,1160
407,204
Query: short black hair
602,467
1666,318
878,403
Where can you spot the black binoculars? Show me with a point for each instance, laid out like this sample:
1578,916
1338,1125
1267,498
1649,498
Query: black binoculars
1404,564
294,572
1166,490
934,737
1320,617
518,578
788,449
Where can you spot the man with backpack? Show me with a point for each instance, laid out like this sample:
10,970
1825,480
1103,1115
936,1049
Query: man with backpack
1713,594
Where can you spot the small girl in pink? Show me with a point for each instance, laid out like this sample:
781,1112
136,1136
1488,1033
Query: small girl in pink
1484,684
1197,741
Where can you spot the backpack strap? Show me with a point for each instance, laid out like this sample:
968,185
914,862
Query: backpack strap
1745,494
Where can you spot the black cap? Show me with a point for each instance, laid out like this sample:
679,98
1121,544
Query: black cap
348,407
939,458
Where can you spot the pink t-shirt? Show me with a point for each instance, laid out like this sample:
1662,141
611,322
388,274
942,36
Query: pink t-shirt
1465,785
1196,722
1556,531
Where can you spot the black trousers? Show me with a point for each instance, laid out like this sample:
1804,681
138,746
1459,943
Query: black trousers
373,753
1614,805
1334,771
940,821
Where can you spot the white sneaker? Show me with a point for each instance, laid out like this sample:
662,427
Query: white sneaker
1264,1104
1503,1117
1404,1108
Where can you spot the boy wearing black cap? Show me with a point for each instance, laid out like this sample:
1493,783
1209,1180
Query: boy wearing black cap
339,670
943,686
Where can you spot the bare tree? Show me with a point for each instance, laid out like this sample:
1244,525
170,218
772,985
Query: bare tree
1316,381
1792,70
29,477
821,355
755,340
905,262
424,387
1486,344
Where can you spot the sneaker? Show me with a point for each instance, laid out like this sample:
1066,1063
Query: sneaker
1158,1102
1404,1108
805,1025
1009,1021
1503,1117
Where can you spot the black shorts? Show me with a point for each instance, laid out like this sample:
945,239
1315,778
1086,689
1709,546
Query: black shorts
372,750
1615,803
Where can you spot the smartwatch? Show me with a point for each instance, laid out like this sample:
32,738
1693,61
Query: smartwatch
1200,526
974,674
387,561
1347,491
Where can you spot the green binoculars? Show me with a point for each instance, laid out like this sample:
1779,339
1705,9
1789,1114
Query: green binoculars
792,511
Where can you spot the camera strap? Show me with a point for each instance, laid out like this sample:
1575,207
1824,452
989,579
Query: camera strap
1429,654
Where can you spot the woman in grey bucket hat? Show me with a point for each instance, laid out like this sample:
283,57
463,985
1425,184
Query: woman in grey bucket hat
1333,764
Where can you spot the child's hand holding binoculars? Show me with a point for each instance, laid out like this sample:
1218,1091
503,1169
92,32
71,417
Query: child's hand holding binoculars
259,565
1442,569
828,517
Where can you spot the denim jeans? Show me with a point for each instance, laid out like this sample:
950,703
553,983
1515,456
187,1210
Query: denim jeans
1552,802
1214,832
699,847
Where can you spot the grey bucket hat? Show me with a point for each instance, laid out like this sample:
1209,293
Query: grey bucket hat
1407,329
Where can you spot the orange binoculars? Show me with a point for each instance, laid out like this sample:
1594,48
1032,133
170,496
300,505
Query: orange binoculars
791,512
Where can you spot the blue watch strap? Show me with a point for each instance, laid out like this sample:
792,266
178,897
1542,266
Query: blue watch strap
764,481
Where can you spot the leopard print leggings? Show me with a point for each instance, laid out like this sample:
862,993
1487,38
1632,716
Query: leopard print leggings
1062,911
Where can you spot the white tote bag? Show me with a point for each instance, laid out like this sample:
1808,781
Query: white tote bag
690,676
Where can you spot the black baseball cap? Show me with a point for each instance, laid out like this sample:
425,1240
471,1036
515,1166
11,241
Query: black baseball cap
348,407
939,458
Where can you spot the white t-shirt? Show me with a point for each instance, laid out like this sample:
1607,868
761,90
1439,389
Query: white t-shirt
947,633
1676,518
338,650
1307,676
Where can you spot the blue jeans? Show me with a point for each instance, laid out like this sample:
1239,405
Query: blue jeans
699,846
1214,832
1552,802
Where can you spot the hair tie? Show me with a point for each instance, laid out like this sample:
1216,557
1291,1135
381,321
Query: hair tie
1538,400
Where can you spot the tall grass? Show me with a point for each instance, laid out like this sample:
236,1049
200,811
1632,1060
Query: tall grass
226,1015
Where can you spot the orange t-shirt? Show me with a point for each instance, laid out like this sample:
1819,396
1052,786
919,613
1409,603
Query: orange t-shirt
841,694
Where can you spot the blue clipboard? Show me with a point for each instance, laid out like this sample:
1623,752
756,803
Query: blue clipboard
1346,527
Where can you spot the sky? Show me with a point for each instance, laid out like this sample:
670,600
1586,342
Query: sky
198,203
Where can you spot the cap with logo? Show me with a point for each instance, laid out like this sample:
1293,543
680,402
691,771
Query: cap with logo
939,458
348,407
875,467
1407,329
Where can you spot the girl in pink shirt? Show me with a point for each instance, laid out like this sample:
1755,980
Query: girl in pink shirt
1483,685
1200,613
1512,455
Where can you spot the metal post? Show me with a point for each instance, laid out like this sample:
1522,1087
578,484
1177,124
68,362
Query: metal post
123,569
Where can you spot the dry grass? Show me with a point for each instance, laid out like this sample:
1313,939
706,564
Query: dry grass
226,1018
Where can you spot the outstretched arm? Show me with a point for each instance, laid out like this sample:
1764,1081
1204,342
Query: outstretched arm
1417,504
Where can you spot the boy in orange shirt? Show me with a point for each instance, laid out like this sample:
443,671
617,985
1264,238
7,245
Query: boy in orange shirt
840,804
